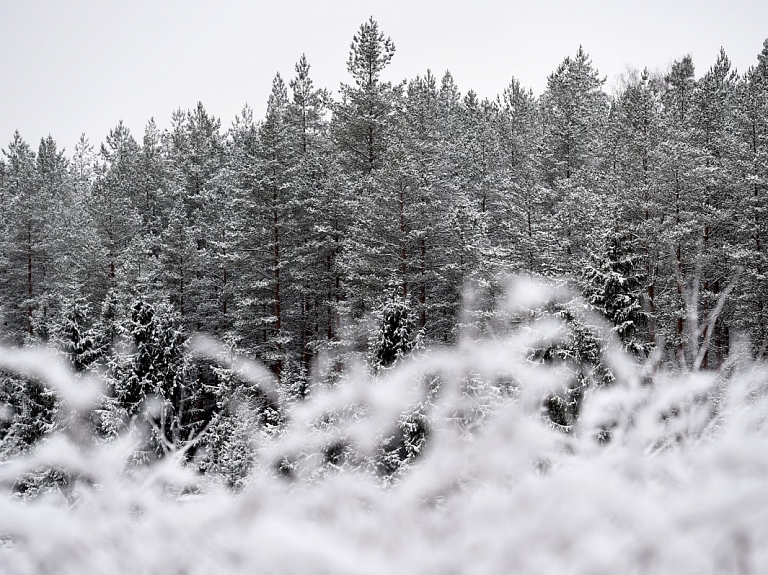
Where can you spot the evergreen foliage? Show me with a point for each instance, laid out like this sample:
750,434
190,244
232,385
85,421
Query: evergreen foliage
75,339
613,286
397,335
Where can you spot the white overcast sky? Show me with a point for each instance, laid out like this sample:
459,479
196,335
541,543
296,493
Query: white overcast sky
72,66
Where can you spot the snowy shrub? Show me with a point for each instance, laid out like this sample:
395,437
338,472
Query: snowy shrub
447,463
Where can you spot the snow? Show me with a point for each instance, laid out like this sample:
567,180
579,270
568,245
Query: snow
679,488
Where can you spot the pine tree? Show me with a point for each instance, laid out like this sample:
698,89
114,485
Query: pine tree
197,158
574,109
427,235
154,200
108,327
275,186
265,178
453,266
478,239
78,245
362,118
719,202
67,227
178,261
313,209
636,131
246,332
684,179
306,111
519,212
26,245
388,242
362,128
112,207
751,315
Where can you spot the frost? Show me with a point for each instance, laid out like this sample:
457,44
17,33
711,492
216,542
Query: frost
661,473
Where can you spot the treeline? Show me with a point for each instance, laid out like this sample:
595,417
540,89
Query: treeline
281,236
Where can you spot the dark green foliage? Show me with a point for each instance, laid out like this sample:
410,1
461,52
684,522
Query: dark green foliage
613,285
580,350
150,383
406,444
397,335
75,339
28,412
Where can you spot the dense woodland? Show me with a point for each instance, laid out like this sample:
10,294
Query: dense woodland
364,225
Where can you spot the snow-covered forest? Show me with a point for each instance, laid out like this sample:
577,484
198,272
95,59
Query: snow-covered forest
395,328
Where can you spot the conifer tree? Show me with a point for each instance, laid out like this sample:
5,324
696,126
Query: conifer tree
178,261
197,155
478,237
265,178
683,182
719,201
574,110
614,287
635,134
362,128
313,208
154,371
519,212
75,339
78,242
30,412
426,239
155,200
25,244
751,122
32,188
362,117
397,335
112,207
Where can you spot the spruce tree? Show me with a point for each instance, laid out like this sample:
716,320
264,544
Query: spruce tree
154,371
397,335
30,412
74,337
613,285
